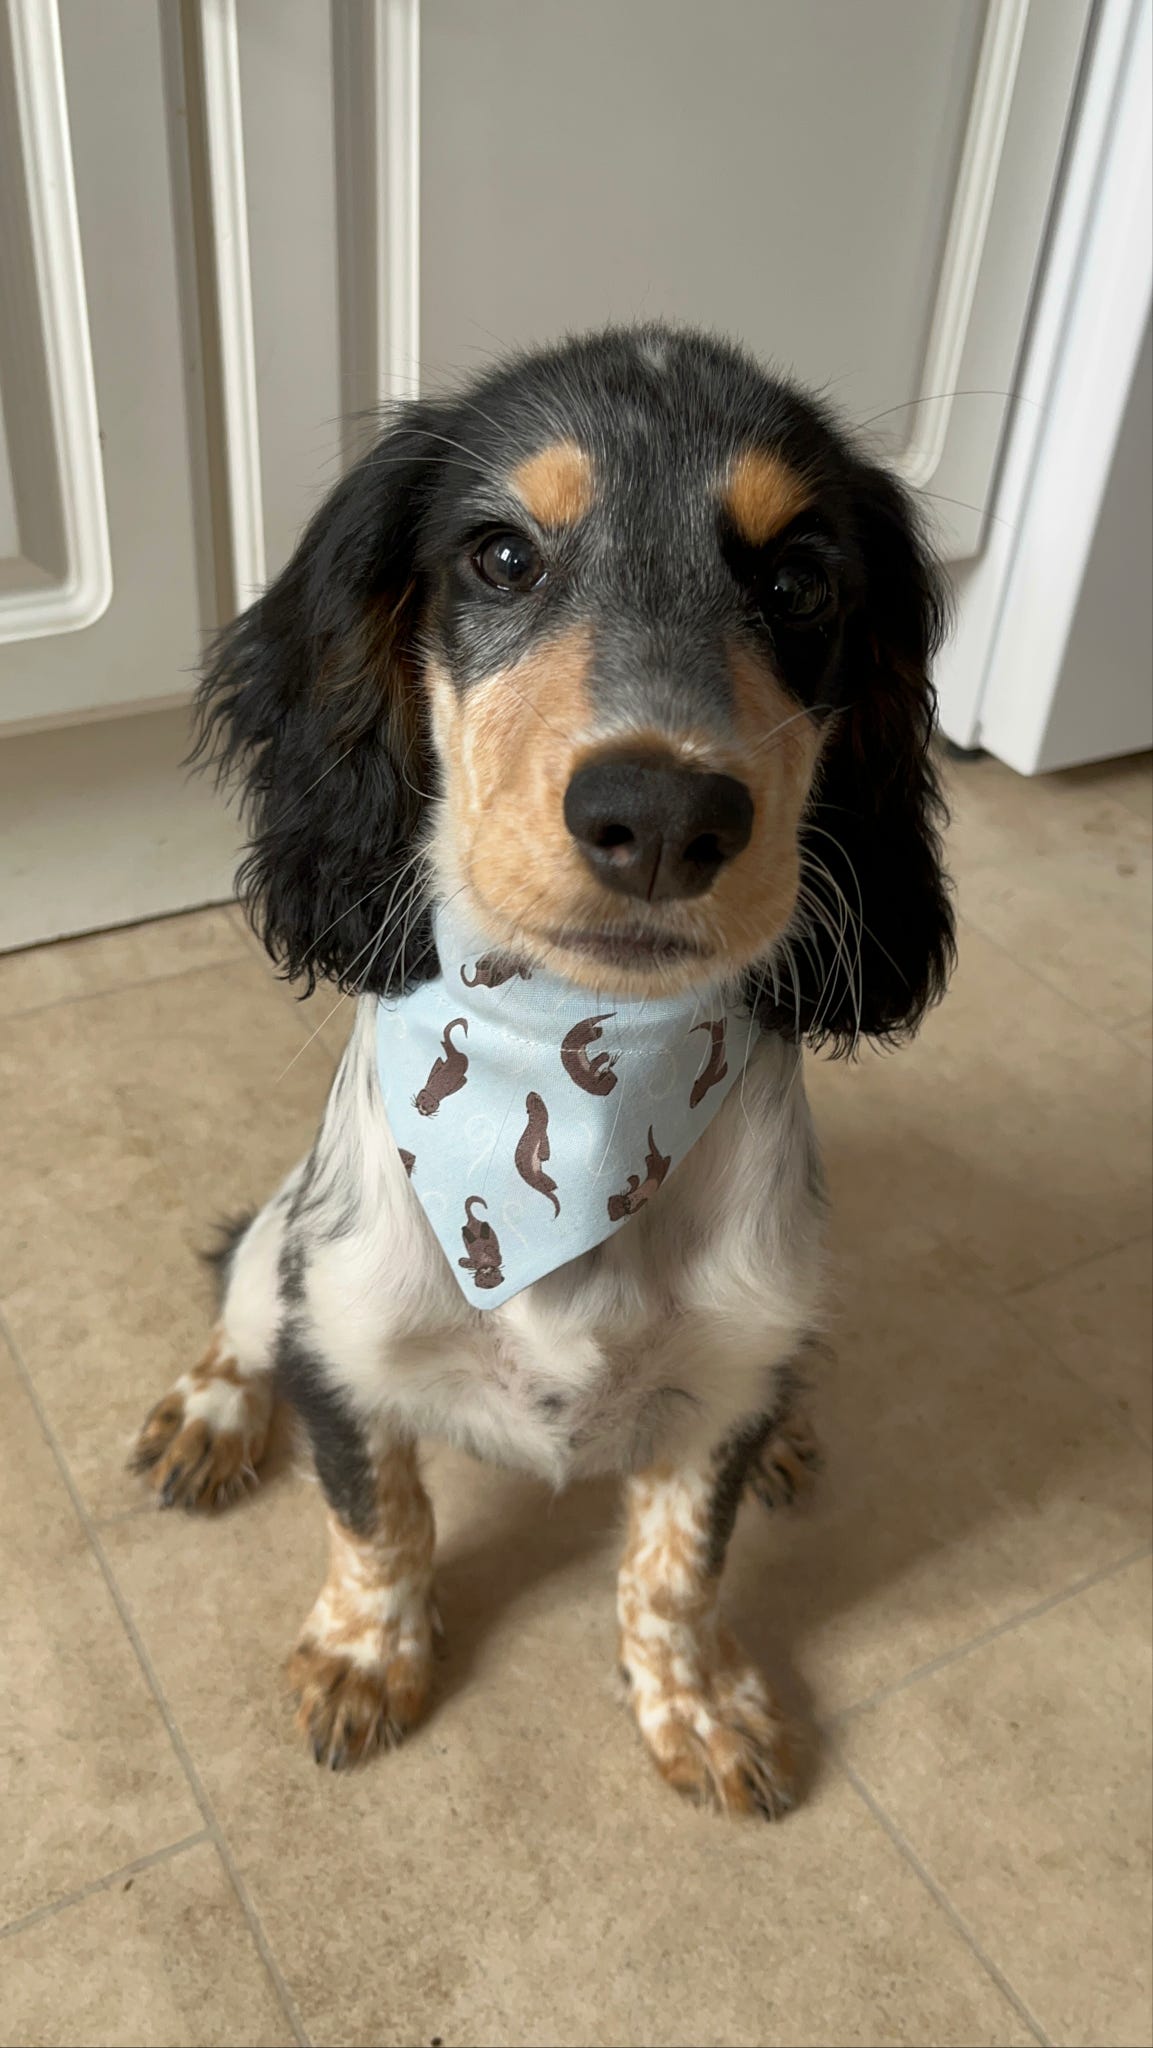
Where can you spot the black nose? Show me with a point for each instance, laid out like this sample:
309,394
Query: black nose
654,830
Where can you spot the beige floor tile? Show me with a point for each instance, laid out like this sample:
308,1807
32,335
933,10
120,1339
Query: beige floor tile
1020,1775
106,960
1139,1034
90,1778
324,1017
1011,1139
1098,1318
968,1476
1131,782
517,1873
1000,817
1082,921
134,1121
163,1959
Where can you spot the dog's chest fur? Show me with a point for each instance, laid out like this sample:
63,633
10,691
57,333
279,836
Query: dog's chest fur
651,1345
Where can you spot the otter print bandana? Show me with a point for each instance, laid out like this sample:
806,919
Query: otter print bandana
534,1119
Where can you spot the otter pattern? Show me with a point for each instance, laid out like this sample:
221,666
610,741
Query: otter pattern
716,1066
493,970
407,1160
481,1247
639,1191
594,1075
533,1149
449,1073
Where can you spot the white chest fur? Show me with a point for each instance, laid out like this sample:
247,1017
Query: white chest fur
653,1344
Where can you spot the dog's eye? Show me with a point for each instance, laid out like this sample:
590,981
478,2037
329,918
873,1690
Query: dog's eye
801,593
509,562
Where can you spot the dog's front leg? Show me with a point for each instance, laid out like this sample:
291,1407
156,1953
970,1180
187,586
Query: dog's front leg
362,1667
706,1715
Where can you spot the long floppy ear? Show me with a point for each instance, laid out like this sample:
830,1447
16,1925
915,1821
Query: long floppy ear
875,939
311,704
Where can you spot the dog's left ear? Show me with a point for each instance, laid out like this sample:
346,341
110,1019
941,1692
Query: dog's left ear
876,933
311,703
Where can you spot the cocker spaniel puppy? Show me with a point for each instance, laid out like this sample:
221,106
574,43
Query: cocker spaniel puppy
585,740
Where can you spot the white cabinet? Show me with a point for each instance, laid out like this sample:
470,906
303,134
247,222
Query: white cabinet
287,211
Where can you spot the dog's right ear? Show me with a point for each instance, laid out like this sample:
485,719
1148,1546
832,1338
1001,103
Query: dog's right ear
312,705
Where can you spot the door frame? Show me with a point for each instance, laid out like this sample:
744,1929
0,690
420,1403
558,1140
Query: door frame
1017,601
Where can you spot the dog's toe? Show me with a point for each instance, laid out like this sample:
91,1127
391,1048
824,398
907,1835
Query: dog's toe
348,1710
720,1740
786,1469
200,1446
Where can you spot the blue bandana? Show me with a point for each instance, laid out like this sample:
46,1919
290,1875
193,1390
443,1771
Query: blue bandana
534,1119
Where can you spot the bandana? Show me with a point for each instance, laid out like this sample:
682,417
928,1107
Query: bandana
535,1119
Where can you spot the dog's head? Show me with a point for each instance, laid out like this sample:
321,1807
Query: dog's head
628,648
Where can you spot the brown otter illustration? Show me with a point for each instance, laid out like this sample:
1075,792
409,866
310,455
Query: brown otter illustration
494,969
533,1148
639,1191
594,1075
481,1247
717,1066
448,1073
407,1160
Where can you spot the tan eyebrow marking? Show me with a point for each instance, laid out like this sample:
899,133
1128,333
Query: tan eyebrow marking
762,494
556,484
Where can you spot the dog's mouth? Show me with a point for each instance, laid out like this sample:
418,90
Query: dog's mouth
638,950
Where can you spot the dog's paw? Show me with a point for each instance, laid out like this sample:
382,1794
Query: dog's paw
201,1445
348,1708
719,1737
785,1470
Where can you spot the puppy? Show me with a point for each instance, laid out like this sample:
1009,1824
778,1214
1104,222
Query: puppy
623,655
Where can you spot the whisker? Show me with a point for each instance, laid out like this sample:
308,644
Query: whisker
379,936
806,711
939,398
834,841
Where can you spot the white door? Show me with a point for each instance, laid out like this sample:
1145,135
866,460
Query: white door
285,211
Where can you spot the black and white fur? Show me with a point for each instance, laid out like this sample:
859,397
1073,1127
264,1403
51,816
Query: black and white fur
668,1354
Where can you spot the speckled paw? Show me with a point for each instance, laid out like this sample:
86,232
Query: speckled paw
201,1445
348,1709
786,1469
720,1739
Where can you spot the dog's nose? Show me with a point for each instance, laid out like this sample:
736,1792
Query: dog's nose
656,830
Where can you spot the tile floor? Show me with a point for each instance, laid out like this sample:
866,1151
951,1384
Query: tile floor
963,1620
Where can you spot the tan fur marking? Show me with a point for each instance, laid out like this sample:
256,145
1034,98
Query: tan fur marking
556,484
779,747
509,751
705,1713
786,1468
197,1451
362,1667
762,494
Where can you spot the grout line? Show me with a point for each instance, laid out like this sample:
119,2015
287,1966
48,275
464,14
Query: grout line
243,956
117,988
1052,988
104,1884
213,1828
1113,1408
936,1891
1024,1287
989,1635
252,944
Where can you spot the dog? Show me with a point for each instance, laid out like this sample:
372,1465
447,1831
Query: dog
626,649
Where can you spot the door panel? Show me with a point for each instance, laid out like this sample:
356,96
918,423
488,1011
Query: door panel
141,646
858,192
289,212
